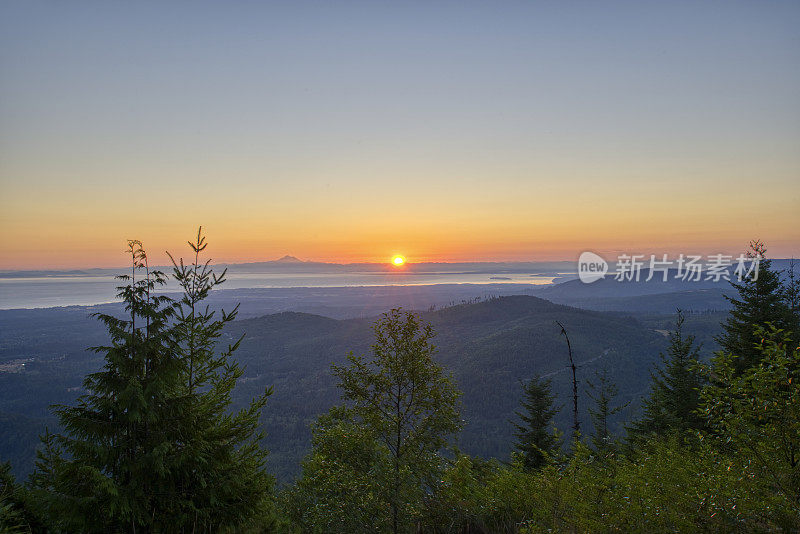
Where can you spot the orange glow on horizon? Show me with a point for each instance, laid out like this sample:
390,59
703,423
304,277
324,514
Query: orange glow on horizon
285,152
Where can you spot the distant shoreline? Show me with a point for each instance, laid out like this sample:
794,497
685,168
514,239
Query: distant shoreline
35,294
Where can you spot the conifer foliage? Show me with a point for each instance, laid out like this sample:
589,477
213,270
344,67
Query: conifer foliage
758,412
761,302
537,439
603,392
151,445
674,390
223,479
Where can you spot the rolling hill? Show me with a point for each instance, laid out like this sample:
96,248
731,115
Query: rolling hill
489,346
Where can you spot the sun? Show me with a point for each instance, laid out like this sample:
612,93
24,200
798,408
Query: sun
398,260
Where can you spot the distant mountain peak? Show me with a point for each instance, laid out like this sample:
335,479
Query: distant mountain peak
289,259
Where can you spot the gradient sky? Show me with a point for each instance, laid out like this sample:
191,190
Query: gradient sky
351,131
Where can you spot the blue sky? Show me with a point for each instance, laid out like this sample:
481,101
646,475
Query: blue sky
355,130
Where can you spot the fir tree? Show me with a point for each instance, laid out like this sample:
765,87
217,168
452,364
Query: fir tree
537,439
761,301
150,446
603,393
231,484
757,413
674,389
792,294
106,472
14,514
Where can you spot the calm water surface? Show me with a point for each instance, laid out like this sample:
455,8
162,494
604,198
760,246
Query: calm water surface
45,292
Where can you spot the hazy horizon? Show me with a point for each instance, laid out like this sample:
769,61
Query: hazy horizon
385,266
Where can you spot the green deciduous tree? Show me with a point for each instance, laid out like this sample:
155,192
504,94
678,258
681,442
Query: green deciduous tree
343,486
674,389
402,401
537,438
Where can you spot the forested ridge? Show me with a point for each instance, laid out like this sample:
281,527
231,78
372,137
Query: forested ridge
156,443
489,346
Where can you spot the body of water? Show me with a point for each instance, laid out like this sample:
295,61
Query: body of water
50,291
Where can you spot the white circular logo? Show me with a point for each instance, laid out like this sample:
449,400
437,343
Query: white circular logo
591,267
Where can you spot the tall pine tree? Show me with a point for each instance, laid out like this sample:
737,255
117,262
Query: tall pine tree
792,294
674,389
603,392
537,438
151,445
107,472
761,301
222,480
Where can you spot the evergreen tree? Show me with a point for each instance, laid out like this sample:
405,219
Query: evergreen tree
407,403
106,473
14,513
674,389
761,301
232,485
757,412
537,438
792,293
150,446
603,394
